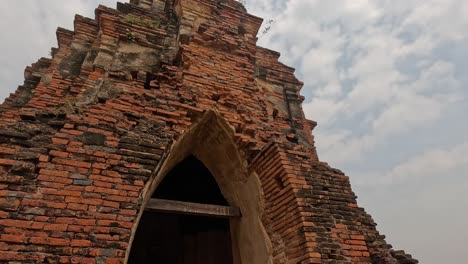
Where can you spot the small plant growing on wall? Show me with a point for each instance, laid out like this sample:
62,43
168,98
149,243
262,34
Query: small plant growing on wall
131,19
266,28
130,35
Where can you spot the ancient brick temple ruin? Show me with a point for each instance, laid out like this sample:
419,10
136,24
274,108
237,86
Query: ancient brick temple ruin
159,132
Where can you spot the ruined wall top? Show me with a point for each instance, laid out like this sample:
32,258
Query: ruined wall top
207,47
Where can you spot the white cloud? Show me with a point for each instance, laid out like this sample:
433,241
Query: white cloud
419,103
433,163
421,199
349,56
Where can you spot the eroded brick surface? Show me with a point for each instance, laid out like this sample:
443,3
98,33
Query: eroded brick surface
84,135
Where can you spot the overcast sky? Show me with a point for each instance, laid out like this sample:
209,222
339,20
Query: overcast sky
386,81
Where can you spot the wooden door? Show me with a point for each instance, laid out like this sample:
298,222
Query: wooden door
181,239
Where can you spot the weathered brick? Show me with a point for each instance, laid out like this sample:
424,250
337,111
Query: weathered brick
59,141
56,227
80,243
7,162
5,150
49,241
83,182
20,238
59,154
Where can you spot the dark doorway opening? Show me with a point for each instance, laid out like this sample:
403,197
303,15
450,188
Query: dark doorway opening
190,181
178,238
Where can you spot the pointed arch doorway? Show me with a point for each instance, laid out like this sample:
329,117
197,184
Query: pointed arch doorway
211,199
186,221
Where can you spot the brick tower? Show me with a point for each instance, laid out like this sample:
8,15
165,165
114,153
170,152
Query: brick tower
159,132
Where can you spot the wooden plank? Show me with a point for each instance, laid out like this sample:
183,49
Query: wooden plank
170,206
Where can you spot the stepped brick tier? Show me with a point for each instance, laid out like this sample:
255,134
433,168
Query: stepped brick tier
152,86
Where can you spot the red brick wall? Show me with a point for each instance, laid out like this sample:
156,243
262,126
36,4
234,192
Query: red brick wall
84,135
